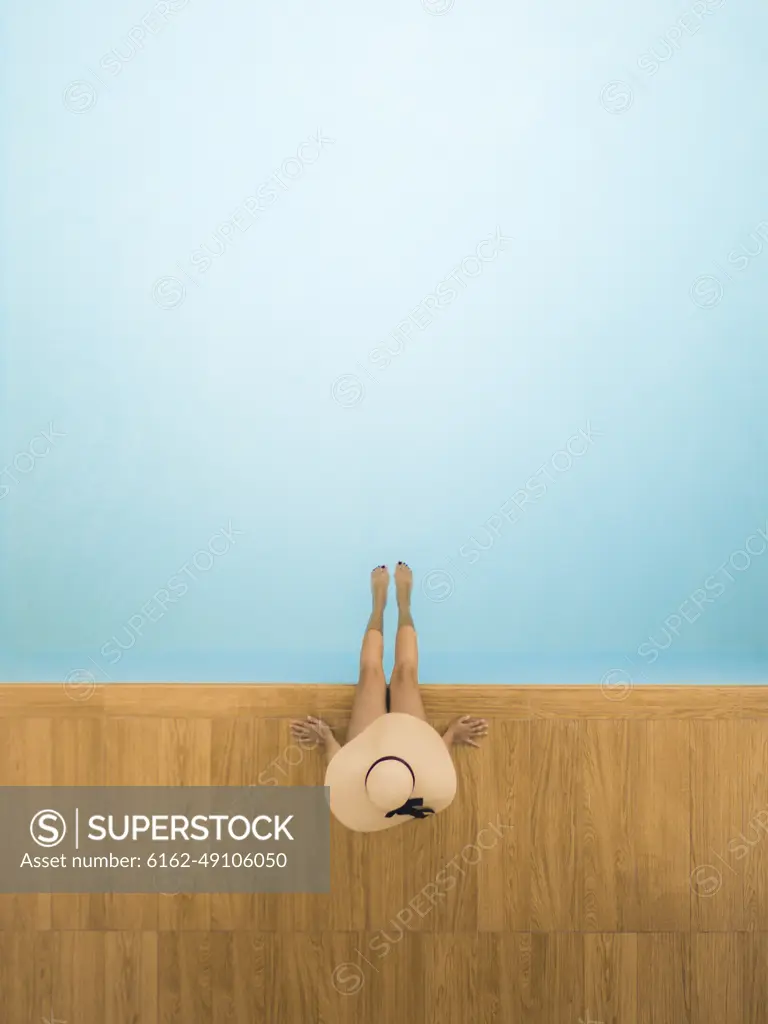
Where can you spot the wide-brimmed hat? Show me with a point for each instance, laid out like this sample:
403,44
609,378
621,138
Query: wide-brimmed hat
396,770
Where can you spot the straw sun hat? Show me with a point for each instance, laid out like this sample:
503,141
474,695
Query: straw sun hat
397,769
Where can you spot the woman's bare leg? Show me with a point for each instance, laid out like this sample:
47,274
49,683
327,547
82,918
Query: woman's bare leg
371,691
404,684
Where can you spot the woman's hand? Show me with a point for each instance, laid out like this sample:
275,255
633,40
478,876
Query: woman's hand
317,733
466,730
312,729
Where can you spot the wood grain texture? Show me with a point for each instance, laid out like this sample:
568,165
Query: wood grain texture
556,793
610,977
606,860
229,700
755,836
717,825
504,830
664,978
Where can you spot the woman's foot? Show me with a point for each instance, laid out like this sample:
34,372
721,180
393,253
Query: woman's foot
403,583
380,586
403,588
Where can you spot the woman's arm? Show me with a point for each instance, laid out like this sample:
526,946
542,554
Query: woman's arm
448,736
332,747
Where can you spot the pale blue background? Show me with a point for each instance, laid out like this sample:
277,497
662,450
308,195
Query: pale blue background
180,420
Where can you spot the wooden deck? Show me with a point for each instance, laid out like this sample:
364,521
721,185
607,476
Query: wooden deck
606,860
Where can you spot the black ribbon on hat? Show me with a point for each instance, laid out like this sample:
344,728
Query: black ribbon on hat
414,807
390,758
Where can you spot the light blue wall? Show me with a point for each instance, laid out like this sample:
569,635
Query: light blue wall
619,153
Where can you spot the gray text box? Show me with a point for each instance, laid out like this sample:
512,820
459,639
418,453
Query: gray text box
164,839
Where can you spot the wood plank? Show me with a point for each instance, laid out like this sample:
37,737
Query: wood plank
555,796
362,977
77,990
755,962
717,785
463,972
514,953
238,977
184,759
662,811
664,978
557,978
610,978
718,978
26,759
131,981
608,835
184,968
618,699
400,983
78,750
295,968
46,700
292,911
131,758
752,845
213,700
233,763
754,701
396,883
19,975
504,828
